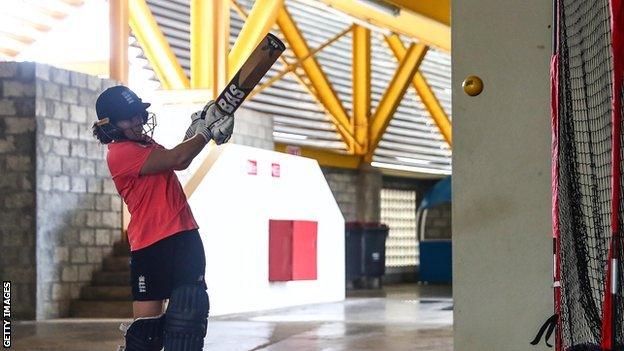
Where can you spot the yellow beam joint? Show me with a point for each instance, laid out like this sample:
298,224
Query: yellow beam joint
257,24
293,66
424,91
210,39
325,93
393,95
415,25
361,86
155,46
119,32
325,158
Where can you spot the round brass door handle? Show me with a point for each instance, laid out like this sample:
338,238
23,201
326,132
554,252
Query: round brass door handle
473,85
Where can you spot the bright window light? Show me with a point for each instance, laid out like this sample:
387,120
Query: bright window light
289,136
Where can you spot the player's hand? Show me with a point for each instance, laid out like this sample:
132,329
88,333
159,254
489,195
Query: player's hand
204,119
222,129
197,119
190,131
213,125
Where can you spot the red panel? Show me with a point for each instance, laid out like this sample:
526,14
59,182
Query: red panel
280,250
304,250
292,250
554,120
252,167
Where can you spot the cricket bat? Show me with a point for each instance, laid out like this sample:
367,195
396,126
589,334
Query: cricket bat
255,67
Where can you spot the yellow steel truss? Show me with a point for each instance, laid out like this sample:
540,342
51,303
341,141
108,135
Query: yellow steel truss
293,66
424,91
361,87
210,65
392,97
326,94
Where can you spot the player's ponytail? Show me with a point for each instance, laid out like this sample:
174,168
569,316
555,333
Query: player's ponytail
105,132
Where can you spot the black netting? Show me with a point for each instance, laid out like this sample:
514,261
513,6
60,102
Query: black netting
619,316
584,165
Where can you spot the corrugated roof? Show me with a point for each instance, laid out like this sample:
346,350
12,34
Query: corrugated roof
412,138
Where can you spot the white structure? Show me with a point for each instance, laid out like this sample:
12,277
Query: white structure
502,237
233,208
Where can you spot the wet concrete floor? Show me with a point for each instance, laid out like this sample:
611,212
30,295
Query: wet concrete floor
401,317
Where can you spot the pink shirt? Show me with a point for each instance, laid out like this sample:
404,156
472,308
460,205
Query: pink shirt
156,202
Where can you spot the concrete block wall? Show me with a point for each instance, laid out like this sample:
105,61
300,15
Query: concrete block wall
369,184
78,209
253,128
60,212
17,185
356,191
343,184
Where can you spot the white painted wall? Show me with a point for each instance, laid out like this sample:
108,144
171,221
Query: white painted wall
233,210
502,261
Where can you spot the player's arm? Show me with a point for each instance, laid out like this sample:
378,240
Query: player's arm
210,126
177,158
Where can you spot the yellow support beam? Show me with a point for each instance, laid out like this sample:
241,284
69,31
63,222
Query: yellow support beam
361,86
424,91
155,46
392,97
326,158
435,109
414,25
210,39
324,91
119,33
439,10
201,27
257,24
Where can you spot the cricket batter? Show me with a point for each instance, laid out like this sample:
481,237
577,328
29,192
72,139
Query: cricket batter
167,255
